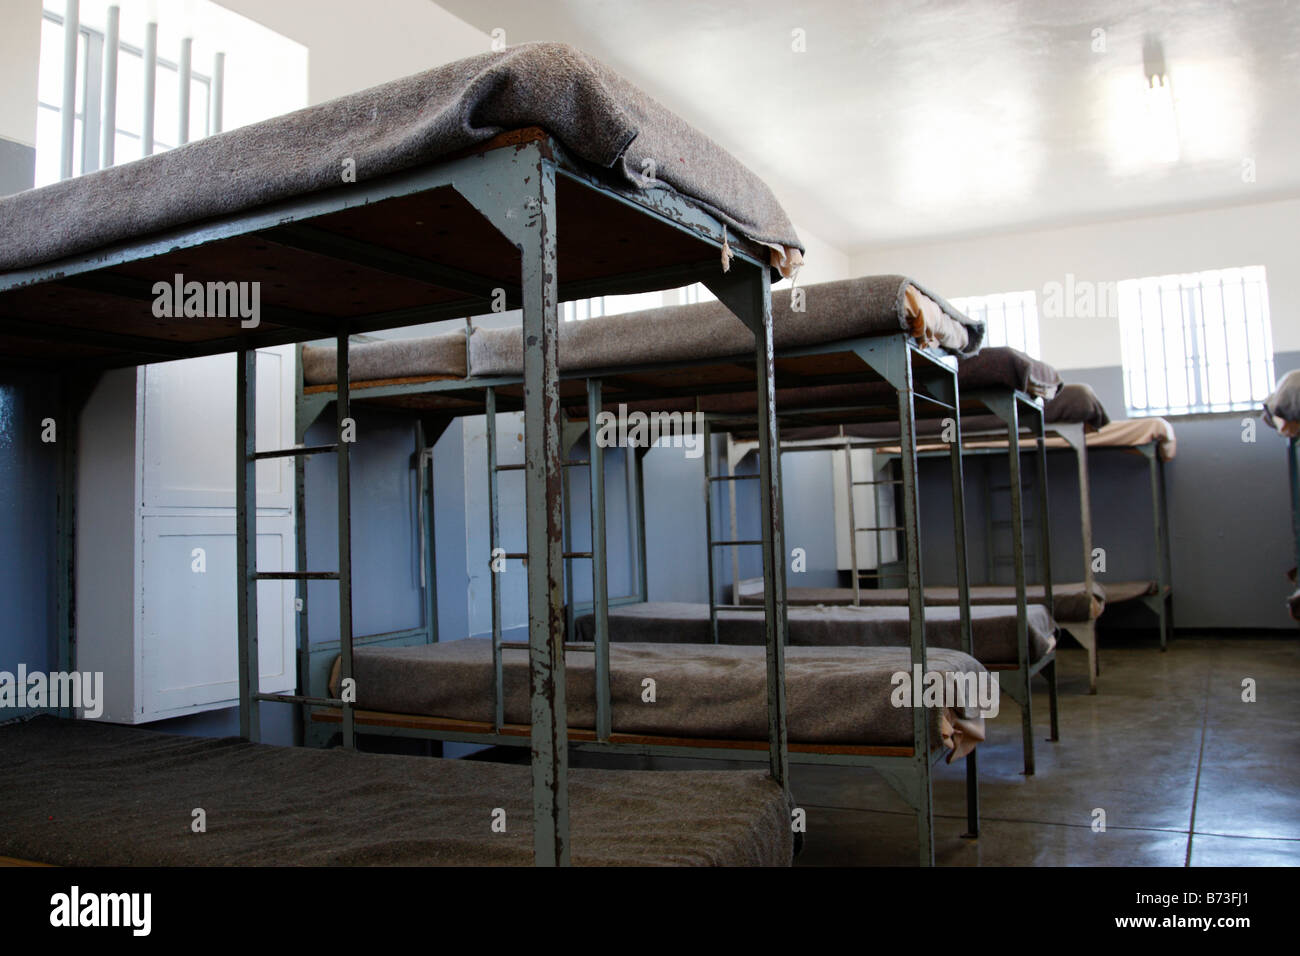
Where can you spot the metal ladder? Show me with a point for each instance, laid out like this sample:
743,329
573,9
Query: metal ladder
879,528
250,695
595,462
710,479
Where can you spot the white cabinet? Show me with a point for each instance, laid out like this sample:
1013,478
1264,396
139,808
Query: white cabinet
155,549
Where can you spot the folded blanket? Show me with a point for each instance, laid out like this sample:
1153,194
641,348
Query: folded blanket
1002,365
1282,408
596,115
1076,403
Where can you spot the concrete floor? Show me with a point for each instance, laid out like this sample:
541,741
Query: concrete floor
1186,772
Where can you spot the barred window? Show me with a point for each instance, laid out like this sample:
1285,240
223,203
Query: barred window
1010,318
1197,342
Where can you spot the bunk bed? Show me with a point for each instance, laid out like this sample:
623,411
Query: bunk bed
1282,413
1076,421
886,350
459,177
1000,389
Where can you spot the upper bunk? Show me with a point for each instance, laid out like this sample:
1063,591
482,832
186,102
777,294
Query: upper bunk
683,358
382,209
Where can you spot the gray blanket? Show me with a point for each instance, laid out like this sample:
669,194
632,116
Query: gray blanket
835,695
596,114
1003,366
1071,600
430,355
78,793
1077,403
833,311
1282,408
993,629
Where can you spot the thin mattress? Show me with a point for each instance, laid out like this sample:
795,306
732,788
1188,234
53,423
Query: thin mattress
79,793
993,628
601,118
1127,433
833,311
1071,600
834,695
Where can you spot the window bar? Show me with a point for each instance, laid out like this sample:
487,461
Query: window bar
1245,327
185,76
218,96
150,86
68,114
708,528
111,43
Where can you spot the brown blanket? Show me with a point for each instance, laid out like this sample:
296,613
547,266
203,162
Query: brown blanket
78,793
833,311
1003,366
993,628
597,115
835,695
1072,603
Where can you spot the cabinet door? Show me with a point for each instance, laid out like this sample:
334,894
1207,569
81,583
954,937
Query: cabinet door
188,658
188,422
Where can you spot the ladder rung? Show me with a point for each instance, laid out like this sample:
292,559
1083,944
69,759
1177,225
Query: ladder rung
296,451
296,575
518,467
577,463
577,554
734,477
516,555
723,544
883,481
881,528
299,699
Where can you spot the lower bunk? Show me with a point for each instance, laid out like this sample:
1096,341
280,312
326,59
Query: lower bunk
846,706
81,793
995,635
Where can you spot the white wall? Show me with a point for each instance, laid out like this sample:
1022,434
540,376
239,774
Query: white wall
20,55
353,46
1257,234
823,262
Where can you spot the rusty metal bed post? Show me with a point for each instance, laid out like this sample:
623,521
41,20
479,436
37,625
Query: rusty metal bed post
1012,409
343,410
958,480
642,577
246,540
749,296
1039,415
1293,473
494,544
916,608
599,572
543,471
1085,633
1160,533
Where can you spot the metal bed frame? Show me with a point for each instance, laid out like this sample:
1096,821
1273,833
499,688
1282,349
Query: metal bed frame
1008,405
511,184
891,358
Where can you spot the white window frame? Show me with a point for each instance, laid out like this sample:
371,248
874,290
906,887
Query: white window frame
90,74
1196,343
1010,319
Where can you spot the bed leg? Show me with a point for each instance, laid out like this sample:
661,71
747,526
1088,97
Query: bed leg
1049,671
972,796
